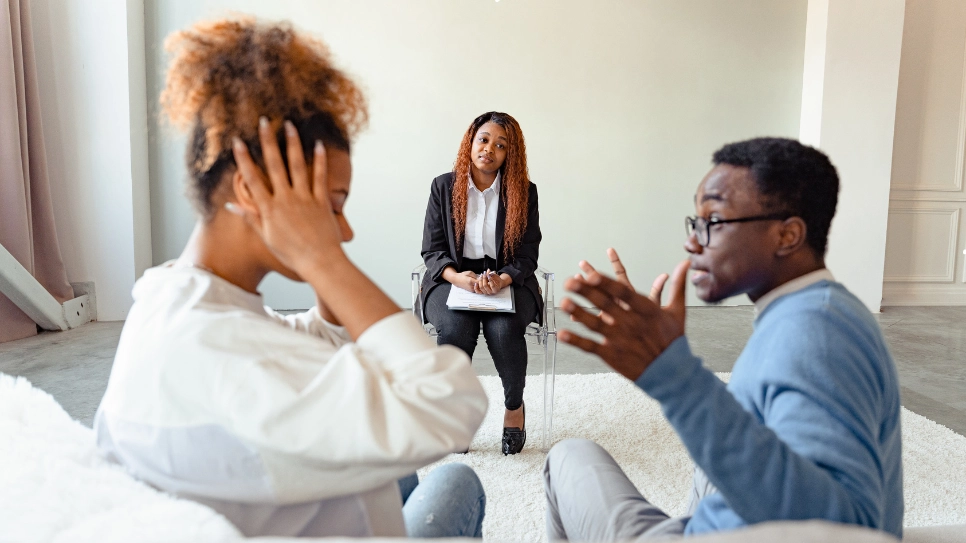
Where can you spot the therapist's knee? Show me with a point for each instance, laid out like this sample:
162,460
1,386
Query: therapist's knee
460,335
503,330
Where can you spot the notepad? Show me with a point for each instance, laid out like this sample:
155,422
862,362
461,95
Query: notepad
464,300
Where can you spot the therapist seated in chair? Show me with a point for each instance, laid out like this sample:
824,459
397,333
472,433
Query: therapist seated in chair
295,425
482,234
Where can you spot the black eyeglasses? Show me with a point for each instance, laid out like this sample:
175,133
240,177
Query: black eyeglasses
702,226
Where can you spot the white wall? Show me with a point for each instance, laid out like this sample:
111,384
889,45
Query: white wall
851,81
91,71
924,261
622,104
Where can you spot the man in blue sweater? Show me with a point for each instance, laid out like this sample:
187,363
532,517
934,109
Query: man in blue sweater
807,427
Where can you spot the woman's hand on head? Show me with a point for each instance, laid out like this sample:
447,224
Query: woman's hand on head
290,209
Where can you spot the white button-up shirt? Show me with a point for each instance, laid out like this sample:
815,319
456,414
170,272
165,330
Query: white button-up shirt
481,211
281,424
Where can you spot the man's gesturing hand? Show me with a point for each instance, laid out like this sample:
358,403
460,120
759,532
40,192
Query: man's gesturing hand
636,329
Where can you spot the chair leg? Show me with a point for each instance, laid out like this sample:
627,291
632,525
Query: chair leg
549,364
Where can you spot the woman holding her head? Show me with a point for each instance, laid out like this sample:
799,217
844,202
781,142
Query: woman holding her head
482,234
287,425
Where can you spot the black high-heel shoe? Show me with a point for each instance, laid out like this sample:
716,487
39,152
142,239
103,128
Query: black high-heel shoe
514,438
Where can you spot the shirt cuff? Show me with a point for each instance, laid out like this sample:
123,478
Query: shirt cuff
669,370
395,336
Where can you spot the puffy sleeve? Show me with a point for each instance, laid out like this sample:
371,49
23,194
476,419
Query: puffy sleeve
330,420
311,322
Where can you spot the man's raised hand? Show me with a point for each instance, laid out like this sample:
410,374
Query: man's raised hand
635,327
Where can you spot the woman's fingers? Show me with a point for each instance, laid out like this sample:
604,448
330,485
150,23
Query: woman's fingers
274,165
296,160
320,173
251,173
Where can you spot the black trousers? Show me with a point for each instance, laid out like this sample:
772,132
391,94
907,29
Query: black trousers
504,333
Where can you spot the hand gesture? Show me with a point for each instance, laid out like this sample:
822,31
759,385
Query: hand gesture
657,287
291,209
635,327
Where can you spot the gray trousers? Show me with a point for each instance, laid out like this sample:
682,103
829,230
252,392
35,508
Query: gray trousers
589,498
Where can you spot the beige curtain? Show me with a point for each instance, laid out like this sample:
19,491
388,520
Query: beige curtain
26,213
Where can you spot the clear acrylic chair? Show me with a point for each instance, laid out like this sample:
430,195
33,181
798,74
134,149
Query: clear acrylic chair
544,335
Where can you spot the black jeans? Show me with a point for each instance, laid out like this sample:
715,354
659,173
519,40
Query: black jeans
504,333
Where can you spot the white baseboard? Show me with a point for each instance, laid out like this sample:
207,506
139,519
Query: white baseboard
88,309
904,294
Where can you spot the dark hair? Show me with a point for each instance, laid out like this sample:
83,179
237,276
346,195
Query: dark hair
792,178
317,127
225,74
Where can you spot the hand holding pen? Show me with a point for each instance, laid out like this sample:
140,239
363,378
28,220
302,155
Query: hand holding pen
489,282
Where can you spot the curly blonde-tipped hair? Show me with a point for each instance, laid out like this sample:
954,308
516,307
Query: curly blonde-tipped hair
226,74
515,180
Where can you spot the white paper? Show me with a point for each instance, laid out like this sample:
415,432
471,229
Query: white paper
464,299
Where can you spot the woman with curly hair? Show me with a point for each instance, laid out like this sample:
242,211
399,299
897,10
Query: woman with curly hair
296,425
482,234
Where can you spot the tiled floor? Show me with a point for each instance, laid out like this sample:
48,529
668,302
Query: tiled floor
928,343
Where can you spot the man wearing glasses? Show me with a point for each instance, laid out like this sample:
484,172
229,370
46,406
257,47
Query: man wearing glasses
807,427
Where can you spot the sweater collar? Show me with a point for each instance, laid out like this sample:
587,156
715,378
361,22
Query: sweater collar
794,285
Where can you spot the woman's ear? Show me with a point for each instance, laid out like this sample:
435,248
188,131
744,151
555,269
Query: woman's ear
793,236
243,195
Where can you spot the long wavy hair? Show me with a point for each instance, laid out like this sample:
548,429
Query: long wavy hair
514,176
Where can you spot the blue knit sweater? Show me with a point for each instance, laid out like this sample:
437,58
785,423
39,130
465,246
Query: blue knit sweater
808,426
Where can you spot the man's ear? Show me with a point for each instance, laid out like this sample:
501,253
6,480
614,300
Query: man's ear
243,196
794,233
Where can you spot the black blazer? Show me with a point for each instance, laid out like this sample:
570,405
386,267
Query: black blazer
439,242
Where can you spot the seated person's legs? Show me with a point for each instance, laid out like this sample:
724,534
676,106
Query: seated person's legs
449,502
505,338
589,498
457,328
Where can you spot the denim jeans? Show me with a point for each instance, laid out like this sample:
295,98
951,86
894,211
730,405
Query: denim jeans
449,502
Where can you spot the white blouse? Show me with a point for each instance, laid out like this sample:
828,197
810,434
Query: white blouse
282,424
481,211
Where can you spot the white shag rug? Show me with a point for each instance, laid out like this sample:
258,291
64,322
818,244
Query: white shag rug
615,413
54,486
